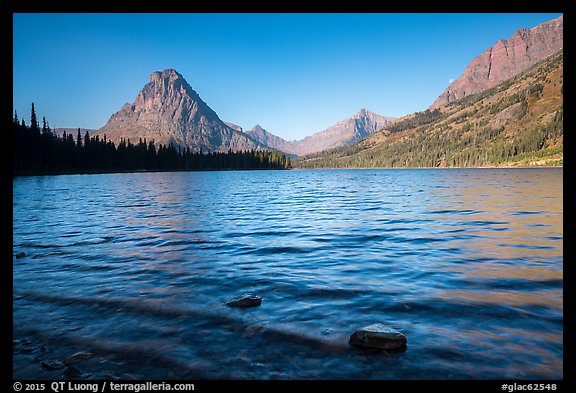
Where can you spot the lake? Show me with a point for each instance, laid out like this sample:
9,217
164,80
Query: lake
136,268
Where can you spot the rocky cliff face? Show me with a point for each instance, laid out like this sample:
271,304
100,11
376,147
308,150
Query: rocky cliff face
506,59
168,111
343,133
234,126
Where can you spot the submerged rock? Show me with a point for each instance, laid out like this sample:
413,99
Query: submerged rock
378,336
252,330
245,300
72,372
21,254
77,357
45,349
53,364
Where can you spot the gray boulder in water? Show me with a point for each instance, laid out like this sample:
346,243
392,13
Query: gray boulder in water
245,300
378,336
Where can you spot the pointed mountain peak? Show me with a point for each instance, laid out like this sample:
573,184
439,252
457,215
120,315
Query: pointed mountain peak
368,114
257,127
168,111
171,86
364,113
169,73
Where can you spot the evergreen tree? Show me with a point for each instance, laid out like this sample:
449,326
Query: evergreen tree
45,152
33,121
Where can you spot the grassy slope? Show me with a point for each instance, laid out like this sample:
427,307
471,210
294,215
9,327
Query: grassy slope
518,123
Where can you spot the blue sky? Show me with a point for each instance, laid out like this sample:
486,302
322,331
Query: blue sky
294,74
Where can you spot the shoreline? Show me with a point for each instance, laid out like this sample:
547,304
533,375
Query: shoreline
435,167
37,358
14,175
97,172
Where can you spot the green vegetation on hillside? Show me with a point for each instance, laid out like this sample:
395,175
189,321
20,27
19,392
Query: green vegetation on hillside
519,122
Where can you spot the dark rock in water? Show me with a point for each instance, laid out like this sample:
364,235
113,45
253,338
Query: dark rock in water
77,357
378,336
53,364
252,330
46,349
245,300
72,372
20,255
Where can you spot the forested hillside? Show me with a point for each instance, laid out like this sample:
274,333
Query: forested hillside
518,123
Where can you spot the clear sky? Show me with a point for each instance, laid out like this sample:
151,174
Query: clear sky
294,74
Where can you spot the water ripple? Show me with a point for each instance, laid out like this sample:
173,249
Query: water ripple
467,263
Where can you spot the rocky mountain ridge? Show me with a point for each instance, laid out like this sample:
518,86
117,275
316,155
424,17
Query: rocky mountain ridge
168,111
505,59
343,133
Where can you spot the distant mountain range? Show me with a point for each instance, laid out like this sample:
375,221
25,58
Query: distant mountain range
168,111
275,142
507,114
343,133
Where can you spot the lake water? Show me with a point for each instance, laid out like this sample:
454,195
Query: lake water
136,268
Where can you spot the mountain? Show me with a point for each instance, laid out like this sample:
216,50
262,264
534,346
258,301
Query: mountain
275,142
517,123
343,133
506,59
168,111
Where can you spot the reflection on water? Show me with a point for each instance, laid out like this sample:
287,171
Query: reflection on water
467,263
